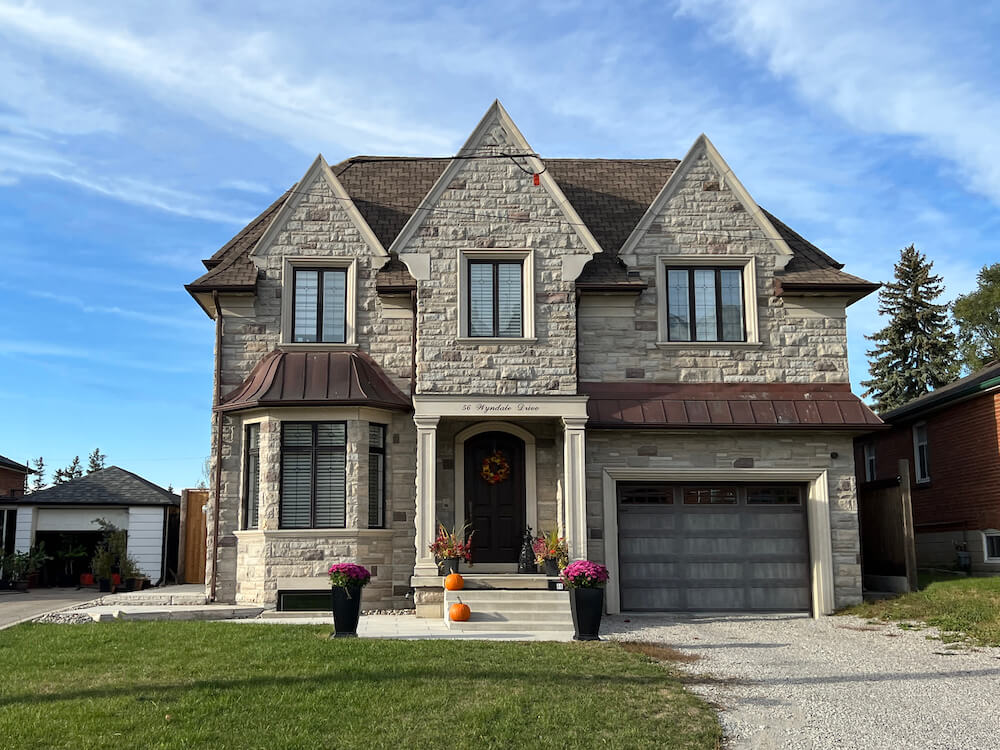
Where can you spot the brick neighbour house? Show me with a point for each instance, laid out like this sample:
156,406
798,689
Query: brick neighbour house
951,438
13,484
660,364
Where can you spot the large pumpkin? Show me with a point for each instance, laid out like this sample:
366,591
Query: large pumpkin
459,612
454,582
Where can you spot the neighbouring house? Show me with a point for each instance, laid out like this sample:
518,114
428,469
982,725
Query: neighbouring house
629,350
13,482
63,518
951,439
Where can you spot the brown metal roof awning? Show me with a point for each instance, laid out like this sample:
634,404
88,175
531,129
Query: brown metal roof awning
827,406
312,378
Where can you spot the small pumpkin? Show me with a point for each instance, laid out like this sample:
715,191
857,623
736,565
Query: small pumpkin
454,582
459,612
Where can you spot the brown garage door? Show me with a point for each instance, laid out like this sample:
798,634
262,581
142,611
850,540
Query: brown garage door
713,547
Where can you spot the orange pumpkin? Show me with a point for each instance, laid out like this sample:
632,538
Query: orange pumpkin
459,612
454,582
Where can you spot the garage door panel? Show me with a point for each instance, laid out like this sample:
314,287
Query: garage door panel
726,558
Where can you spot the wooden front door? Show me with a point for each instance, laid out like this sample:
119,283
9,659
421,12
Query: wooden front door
495,511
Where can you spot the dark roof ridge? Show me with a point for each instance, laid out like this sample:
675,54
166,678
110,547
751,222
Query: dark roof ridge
983,379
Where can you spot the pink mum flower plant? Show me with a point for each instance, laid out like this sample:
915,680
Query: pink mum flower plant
584,574
349,574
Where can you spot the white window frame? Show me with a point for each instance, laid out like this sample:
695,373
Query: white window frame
987,535
925,476
871,465
287,295
745,263
527,258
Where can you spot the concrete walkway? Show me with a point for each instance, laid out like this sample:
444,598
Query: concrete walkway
17,607
408,627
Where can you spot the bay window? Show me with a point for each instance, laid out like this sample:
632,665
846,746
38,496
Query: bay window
376,476
313,475
251,473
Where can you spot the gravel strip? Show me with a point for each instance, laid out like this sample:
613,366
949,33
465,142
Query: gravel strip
836,682
64,618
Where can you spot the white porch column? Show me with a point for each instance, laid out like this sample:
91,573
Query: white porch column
426,516
575,485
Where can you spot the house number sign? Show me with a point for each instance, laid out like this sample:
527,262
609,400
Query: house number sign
510,408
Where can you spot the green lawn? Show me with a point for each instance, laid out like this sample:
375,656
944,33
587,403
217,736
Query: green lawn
219,685
967,608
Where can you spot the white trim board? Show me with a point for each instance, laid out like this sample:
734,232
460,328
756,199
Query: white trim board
703,146
495,114
318,168
817,516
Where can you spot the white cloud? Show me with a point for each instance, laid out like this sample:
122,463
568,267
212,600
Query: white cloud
880,67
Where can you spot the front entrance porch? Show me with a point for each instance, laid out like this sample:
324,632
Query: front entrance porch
498,465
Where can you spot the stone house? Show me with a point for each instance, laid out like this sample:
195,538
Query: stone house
658,364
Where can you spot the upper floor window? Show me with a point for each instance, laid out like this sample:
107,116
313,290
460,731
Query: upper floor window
495,304
313,475
319,312
705,304
251,488
496,293
870,468
921,456
706,299
318,301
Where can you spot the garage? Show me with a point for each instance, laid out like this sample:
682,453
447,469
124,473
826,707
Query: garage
713,547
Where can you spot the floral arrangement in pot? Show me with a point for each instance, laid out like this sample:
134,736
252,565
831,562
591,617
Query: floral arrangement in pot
585,581
346,582
451,546
551,552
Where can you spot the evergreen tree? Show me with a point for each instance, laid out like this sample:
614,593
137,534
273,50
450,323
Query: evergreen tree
95,462
73,471
39,480
978,317
915,352
60,476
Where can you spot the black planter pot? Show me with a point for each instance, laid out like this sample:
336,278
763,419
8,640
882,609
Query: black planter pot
104,585
550,567
346,605
448,566
587,606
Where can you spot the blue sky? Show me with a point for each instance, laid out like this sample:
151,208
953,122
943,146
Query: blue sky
136,138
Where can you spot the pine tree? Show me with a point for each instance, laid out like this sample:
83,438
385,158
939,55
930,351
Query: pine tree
915,352
60,476
73,471
39,480
977,315
95,462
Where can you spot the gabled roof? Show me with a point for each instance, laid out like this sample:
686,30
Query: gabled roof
745,406
326,378
981,381
610,197
6,463
110,486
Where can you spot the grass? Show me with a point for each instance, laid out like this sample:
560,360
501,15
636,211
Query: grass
191,684
963,608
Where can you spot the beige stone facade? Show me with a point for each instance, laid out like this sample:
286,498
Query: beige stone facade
491,205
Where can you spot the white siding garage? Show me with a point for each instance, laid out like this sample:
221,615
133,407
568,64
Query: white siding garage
713,547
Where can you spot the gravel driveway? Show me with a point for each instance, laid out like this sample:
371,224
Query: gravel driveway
837,682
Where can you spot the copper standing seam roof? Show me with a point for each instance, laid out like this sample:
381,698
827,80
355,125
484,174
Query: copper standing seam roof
610,196
324,378
727,405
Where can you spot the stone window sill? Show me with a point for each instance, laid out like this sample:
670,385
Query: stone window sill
311,533
709,344
293,347
491,340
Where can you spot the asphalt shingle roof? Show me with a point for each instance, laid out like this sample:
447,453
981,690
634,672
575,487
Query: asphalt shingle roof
6,463
110,486
610,196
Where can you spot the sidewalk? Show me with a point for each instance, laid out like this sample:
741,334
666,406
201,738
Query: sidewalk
16,607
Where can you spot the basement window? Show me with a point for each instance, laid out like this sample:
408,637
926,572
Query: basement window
992,543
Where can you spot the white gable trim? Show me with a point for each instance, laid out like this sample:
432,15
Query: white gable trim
703,146
318,168
496,113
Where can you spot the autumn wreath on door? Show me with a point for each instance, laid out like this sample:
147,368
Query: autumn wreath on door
496,468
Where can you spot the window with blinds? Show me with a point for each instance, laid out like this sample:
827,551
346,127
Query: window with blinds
705,304
319,307
495,298
251,488
376,476
313,475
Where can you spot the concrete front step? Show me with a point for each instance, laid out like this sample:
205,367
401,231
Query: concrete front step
502,581
520,610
